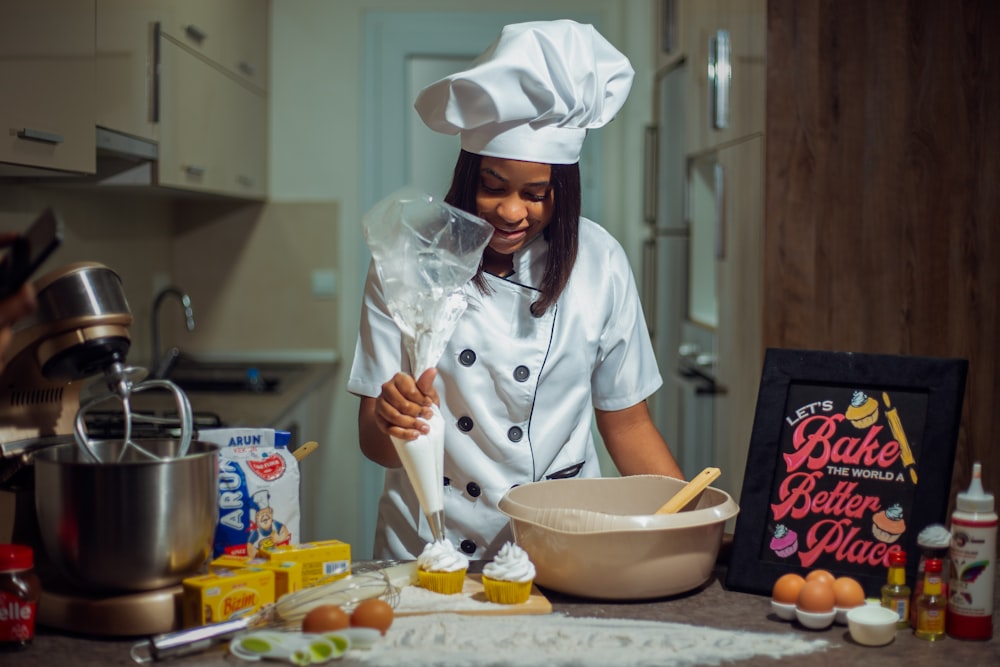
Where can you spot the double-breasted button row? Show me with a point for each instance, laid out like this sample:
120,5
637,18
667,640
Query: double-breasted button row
468,357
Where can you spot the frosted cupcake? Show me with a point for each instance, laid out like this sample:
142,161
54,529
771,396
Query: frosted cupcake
508,578
785,542
887,526
863,410
441,568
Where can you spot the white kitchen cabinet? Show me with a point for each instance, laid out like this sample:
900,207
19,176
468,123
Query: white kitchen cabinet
726,44
190,76
233,34
126,66
740,277
213,128
722,201
47,79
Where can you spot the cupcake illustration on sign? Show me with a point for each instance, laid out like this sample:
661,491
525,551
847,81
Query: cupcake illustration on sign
888,525
785,541
863,410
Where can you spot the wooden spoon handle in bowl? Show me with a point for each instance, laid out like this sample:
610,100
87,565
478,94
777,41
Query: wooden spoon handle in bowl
689,491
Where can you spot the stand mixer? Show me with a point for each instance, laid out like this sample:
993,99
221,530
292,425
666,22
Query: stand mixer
79,330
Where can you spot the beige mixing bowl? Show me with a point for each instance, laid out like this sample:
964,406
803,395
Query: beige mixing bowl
600,538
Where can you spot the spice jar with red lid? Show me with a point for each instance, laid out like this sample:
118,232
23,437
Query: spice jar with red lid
19,593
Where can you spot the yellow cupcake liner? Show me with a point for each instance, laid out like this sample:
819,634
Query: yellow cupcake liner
506,592
447,583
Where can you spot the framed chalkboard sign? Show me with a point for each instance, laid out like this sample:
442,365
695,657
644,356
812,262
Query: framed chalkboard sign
850,458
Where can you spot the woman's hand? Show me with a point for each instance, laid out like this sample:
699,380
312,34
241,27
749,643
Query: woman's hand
400,411
404,405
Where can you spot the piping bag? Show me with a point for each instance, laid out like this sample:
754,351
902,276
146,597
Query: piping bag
425,251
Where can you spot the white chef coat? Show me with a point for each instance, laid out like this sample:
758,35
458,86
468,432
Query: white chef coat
517,391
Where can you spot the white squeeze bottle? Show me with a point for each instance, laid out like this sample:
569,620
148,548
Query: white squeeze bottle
973,556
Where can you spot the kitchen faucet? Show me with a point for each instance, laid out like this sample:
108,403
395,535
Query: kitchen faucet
166,362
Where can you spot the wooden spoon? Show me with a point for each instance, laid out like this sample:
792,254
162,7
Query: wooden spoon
690,490
305,449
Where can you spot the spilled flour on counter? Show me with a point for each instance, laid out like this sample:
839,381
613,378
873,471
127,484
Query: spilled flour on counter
414,599
547,640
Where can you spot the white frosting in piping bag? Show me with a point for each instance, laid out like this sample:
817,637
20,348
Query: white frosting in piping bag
423,460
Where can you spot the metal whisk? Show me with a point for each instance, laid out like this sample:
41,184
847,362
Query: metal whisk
123,381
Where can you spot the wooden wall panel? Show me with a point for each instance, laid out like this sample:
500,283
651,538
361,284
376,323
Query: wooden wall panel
882,189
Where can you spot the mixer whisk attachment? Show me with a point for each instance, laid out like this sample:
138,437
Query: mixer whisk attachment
122,382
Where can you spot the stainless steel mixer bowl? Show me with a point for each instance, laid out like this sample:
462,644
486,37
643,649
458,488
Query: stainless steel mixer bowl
134,525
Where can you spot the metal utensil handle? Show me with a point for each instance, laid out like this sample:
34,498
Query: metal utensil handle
186,642
80,428
183,409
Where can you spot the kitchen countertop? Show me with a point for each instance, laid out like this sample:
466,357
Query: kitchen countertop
711,606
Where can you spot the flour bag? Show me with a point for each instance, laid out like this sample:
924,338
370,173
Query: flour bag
258,490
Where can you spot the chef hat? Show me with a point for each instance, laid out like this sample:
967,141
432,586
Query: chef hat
262,499
533,94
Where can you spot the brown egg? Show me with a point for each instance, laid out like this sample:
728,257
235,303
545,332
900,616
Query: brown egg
816,597
786,588
325,618
848,593
373,613
821,575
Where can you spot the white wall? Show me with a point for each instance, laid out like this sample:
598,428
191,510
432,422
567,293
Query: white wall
316,95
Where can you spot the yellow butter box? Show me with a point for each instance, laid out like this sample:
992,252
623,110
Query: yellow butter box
322,561
287,574
226,594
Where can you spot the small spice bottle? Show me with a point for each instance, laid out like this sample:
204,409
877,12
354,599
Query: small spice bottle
932,606
934,542
19,593
895,592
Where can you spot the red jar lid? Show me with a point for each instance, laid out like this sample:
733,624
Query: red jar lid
16,557
897,558
933,565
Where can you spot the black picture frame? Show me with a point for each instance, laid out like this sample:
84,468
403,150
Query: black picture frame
845,490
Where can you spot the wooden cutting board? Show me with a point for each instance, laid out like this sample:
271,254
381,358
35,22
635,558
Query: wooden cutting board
472,600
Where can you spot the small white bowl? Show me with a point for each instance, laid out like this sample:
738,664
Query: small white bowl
815,621
872,625
783,610
842,614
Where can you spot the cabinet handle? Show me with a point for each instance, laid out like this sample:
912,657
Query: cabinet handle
720,74
247,69
195,33
194,170
245,181
720,211
40,135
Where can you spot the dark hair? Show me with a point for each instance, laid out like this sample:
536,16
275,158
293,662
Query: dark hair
562,232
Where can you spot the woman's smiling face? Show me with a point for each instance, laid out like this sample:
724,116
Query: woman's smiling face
516,198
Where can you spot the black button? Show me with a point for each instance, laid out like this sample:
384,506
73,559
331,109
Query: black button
473,489
447,482
467,357
465,424
514,434
521,373
468,546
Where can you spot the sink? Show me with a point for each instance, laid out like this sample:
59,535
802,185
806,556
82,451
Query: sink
228,377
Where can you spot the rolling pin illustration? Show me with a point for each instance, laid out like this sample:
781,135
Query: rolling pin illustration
900,435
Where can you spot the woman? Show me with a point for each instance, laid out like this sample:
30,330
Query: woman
553,335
